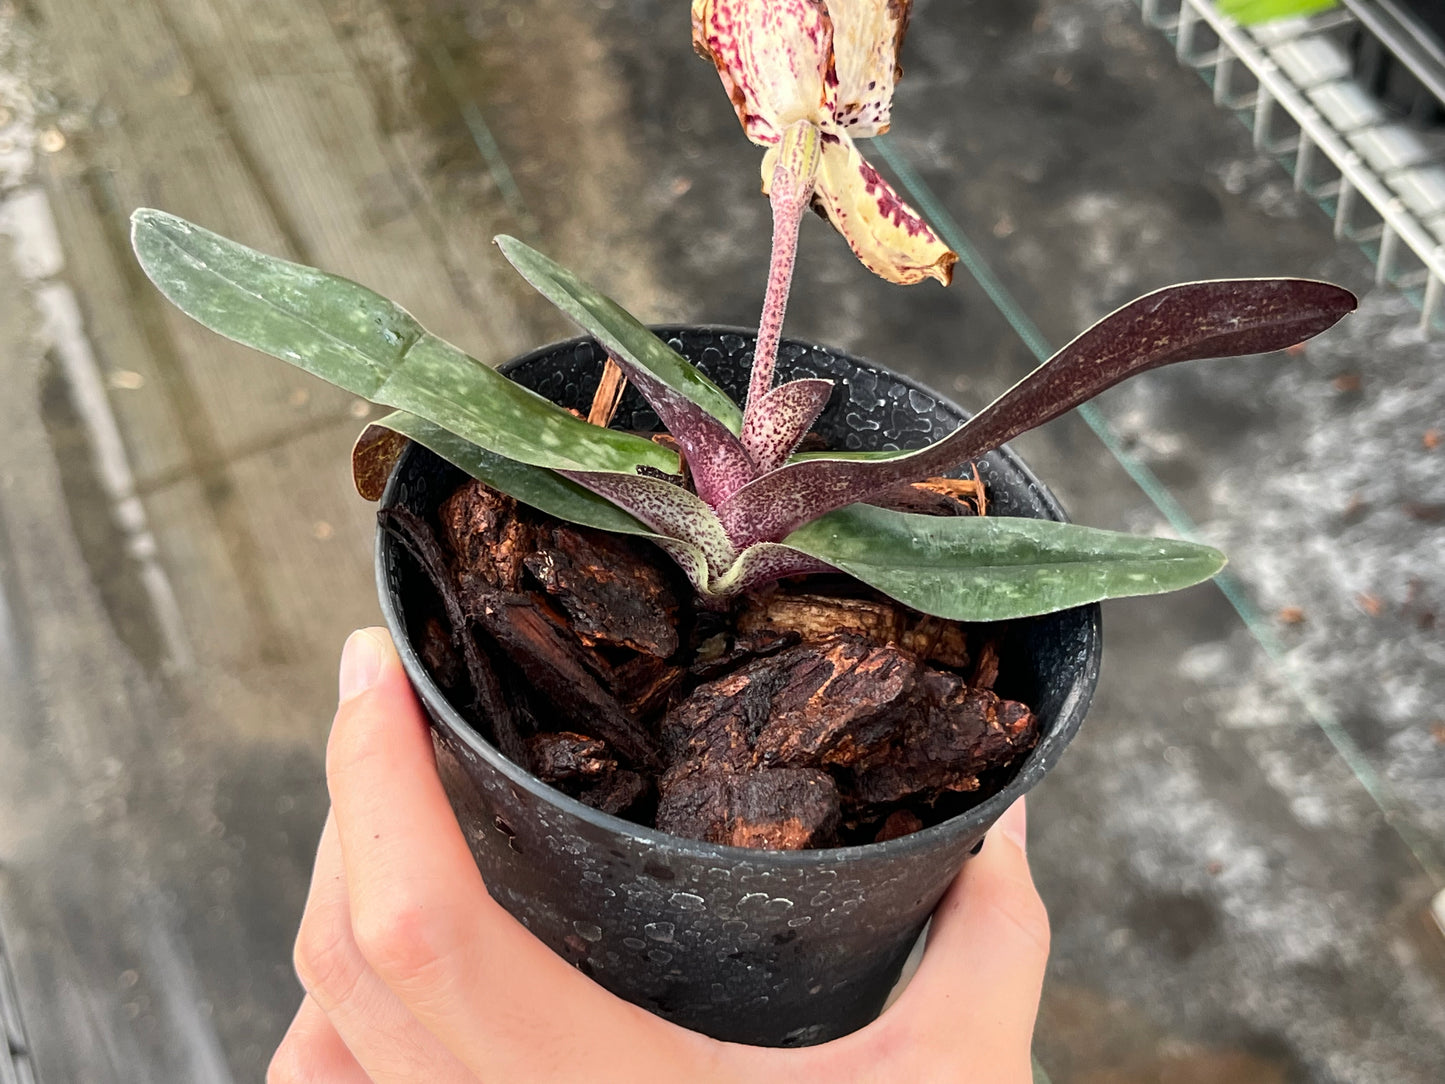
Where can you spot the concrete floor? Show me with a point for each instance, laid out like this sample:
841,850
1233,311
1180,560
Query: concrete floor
181,554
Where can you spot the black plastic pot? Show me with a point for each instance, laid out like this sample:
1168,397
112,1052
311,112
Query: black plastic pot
778,949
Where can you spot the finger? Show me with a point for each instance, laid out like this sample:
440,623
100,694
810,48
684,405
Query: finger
423,920
983,968
312,1053
413,887
367,1017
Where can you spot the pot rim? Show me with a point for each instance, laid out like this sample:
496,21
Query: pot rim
1039,761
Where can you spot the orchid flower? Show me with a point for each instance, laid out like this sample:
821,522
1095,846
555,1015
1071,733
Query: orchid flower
807,77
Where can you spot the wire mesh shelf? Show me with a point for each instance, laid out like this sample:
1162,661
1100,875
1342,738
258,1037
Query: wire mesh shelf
1378,171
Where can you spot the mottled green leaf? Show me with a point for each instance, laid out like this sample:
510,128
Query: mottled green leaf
360,341
537,487
991,568
619,331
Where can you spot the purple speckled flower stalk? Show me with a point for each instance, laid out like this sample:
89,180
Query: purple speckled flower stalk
790,193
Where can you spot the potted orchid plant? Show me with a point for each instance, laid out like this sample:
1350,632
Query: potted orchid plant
525,682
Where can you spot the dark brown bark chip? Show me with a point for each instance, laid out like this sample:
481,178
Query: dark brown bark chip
960,734
936,640
924,500
439,655
490,706
644,683
557,668
812,714
901,822
780,809
811,705
487,534
613,593
616,792
713,727
985,670
820,617
725,652
842,699
564,755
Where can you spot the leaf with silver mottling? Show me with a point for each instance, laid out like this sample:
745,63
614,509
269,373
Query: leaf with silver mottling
993,568
621,333
358,340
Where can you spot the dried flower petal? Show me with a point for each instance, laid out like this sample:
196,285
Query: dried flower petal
775,59
833,64
867,36
884,232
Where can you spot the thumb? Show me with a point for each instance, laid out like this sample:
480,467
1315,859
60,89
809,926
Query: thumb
362,658
983,970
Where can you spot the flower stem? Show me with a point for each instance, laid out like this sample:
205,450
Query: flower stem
790,192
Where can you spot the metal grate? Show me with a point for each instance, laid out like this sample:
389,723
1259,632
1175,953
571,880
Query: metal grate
1295,83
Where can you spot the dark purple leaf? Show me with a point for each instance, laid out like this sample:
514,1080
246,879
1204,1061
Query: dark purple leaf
1195,320
763,563
775,426
719,464
665,507
1179,323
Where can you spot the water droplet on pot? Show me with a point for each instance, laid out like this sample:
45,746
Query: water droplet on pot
658,956
686,901
587,931
637,944
659,931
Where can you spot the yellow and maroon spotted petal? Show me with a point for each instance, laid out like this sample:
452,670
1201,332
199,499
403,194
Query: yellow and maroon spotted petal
884,232
867,36
775,59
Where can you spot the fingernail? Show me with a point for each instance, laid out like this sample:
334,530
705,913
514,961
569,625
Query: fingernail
1014,825
360,664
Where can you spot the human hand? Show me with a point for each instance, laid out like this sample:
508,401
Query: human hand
414,973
